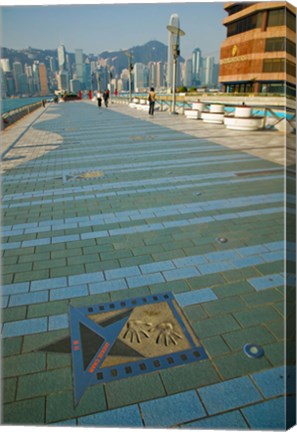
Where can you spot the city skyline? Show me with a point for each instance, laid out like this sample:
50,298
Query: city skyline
111,27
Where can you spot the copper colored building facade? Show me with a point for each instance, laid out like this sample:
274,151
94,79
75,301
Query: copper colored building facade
259,52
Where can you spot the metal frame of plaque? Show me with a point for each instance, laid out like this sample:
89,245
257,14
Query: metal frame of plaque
121,339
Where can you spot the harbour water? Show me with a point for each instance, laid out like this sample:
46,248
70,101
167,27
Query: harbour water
11,104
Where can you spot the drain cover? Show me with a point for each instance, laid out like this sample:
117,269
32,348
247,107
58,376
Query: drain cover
222,239
253,350
118,340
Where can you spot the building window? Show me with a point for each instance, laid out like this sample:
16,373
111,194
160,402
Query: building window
276,17
290,68
279,65
275,44
274,65
238,7
280,44
249,23
280,17
290,20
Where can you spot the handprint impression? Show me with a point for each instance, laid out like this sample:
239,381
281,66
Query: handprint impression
135,330
166,334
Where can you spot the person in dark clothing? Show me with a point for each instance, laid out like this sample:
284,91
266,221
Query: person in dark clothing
106,97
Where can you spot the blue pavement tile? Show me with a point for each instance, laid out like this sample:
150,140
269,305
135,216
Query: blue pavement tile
225,216
17,288
274,256
273,246
37,230
181,273
86,278
121,417
222,255
269,281
175,224
189,261
25,327
12,245
44,284
28,298
65,238
273,382
229,395
194,297
67,293
122,272
94,234
172,410
107,286
230,420
252,250
201,220
156,267
248,261
58,322
143,280
215,267
36,242
267,415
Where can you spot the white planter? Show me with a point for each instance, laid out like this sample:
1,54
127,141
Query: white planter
216,108
243,112
212,117
245,124
198,106
192,114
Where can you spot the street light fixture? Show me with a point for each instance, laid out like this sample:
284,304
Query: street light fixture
130,67
176,32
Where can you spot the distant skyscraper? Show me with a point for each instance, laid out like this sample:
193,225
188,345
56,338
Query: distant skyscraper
139,77
196,66
36,77
5,65
62,58
43,80
53,64
209,71
79,66
160,74
172,40
188,73
17,69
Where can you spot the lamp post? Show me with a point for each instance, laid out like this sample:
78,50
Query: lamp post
176,32
130,67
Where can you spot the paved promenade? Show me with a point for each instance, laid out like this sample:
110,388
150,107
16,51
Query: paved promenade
112,207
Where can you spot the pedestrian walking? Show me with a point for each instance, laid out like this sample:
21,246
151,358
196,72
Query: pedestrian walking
99,99
152,100
106,97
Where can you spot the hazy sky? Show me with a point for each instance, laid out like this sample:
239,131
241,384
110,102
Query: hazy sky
99,27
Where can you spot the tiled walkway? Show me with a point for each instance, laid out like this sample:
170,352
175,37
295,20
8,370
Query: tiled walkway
101,206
